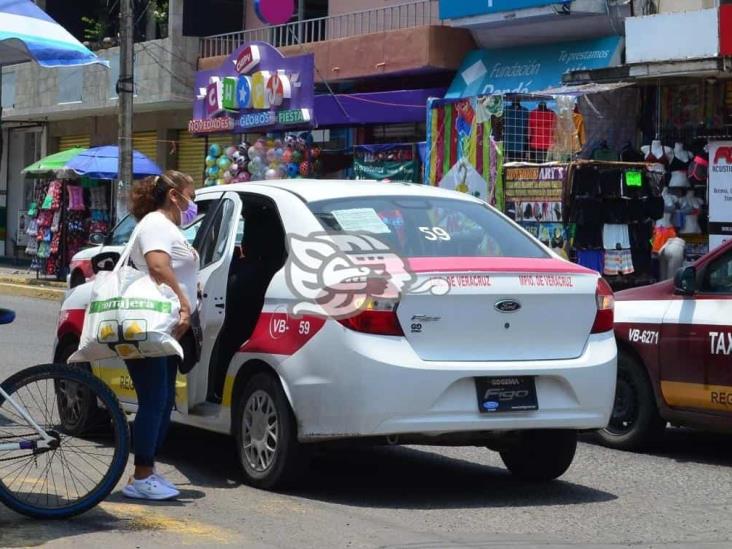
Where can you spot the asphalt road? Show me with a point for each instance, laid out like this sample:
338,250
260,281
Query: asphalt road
412,498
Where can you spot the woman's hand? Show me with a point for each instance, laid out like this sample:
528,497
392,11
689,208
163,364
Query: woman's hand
184,324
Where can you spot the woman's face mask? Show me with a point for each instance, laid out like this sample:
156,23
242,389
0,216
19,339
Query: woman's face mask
188,215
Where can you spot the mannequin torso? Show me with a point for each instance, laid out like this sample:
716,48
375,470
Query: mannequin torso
657,155
691,205
679,166
670,203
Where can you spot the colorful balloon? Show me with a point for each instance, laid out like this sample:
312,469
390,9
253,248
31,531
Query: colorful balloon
292,169
271,174
210,161
213,172
287,155
214,150
209,182
224,163
305,169
297,157
220,181
231,151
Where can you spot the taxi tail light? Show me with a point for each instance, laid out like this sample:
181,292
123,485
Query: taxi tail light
377,317
605,317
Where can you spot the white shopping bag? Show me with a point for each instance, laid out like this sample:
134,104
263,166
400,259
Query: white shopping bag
129,316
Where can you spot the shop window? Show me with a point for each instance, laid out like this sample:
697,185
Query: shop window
8,90
70,85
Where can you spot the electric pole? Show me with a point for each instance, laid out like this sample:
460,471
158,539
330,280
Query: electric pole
125,93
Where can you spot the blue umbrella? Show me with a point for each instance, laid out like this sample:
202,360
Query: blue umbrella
101,163
28,33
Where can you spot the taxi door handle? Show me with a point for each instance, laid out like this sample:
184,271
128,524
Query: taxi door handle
220,306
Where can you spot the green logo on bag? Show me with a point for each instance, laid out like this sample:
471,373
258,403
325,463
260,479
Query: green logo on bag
124,304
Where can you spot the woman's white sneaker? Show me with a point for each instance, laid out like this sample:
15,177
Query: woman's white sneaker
164,481
149,488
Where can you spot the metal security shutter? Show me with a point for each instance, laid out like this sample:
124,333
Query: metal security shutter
146,143
70,141
191,155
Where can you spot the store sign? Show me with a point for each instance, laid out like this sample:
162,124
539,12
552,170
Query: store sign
720,193
454,9
256,87
531,68
247,59
297,116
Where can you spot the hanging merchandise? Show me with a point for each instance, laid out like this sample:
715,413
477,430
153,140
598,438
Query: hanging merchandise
464,142
295,156
395,162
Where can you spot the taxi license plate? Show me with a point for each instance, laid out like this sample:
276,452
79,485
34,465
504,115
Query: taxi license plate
506,394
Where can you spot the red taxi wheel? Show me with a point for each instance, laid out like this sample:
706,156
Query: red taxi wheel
635,423
266,434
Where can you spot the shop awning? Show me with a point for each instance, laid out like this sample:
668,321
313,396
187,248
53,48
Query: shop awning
531,69
391,107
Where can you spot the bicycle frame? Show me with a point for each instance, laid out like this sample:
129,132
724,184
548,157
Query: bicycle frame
45,439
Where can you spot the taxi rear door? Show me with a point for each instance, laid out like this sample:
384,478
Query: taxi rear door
696,343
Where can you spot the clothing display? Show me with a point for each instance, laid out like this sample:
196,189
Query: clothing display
615,237
592,259
515,129
580,136
661,235
613,209
618,262
671,257
542,122
690,206
60,228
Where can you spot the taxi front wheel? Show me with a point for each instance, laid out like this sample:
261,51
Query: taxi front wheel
542,455
635,423
266,435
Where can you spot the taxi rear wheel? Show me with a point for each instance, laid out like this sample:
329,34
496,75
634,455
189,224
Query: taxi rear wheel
635,423
266,435
541,455
78,408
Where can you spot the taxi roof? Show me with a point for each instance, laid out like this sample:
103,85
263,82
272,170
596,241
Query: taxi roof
315,190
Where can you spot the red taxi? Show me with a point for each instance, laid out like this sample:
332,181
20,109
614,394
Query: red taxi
675,354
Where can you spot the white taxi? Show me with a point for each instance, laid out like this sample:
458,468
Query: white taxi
386,312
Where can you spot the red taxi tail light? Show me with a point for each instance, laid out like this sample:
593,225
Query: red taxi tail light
605,317
378,318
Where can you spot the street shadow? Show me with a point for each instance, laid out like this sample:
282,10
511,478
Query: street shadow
410,478
204,458
19,531
690,446
386,477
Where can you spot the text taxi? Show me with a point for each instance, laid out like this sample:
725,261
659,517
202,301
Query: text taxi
675,354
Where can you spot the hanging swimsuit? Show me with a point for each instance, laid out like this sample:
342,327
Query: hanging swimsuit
678,165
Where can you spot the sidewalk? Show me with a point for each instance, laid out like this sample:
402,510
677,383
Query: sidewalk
21,282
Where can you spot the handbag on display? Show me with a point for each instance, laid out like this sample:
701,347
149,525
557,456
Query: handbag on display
129,316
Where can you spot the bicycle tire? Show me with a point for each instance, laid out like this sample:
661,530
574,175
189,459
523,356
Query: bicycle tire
120,435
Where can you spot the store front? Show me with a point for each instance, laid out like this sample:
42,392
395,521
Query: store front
571,165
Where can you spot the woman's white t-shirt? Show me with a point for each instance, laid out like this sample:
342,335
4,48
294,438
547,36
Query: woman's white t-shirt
158,233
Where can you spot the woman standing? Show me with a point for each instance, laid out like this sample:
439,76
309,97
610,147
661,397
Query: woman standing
162,205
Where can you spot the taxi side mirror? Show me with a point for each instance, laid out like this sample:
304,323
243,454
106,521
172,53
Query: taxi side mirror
104,261
685,281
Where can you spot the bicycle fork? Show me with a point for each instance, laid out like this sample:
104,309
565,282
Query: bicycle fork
46,441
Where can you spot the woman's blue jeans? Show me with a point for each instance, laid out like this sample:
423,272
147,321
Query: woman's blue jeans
154,380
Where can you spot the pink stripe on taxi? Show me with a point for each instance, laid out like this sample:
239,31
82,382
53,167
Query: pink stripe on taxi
495,265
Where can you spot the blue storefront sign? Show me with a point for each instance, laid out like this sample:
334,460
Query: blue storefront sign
455,9
531,69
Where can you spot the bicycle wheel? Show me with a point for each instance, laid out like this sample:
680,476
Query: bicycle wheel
75,473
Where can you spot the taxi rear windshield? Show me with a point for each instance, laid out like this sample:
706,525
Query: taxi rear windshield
428,227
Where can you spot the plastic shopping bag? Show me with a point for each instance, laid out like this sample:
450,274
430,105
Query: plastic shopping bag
129,316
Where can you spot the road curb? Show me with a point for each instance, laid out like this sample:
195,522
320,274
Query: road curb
24,289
